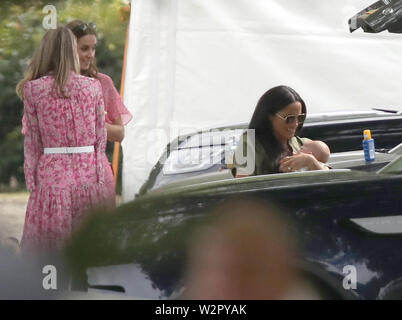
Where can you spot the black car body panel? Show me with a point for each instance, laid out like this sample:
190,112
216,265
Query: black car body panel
322,209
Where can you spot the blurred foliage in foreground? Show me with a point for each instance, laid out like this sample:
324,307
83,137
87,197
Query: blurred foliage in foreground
20,32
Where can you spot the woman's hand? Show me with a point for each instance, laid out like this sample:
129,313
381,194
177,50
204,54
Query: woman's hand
300,161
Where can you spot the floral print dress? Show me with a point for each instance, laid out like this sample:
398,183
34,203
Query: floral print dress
64,187
115,109
113,104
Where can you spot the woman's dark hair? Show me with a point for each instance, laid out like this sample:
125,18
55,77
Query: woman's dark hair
271,102
80,29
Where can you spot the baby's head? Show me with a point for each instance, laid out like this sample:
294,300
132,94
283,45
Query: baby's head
318,149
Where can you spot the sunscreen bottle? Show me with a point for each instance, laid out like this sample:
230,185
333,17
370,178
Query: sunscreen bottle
368,146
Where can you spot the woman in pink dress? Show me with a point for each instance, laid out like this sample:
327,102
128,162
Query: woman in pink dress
64,145
117,115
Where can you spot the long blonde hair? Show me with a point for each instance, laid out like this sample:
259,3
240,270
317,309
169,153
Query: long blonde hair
56,55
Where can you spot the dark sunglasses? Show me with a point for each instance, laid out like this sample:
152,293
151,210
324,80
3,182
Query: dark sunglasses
85,28
291,118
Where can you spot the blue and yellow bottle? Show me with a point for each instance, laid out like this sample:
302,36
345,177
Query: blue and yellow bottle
368,146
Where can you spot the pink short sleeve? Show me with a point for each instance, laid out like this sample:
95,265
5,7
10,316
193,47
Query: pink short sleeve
113,104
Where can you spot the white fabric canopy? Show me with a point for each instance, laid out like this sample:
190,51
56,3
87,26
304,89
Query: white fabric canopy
199,63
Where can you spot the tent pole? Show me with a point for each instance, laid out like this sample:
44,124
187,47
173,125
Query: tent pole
116,150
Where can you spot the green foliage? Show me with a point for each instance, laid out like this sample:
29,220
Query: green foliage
20,32
12,156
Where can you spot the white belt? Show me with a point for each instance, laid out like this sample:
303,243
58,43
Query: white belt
69,149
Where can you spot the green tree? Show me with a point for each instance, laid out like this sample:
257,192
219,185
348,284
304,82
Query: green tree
20,32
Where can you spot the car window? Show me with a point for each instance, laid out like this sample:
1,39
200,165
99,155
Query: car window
193,159
212,138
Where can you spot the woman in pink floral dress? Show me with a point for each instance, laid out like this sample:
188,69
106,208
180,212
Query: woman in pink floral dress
65,141
117,115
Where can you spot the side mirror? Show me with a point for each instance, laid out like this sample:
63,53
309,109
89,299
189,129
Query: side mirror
381,15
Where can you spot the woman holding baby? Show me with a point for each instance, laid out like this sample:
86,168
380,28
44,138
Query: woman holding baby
271,144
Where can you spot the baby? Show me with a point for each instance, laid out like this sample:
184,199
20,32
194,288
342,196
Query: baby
297,163
318,149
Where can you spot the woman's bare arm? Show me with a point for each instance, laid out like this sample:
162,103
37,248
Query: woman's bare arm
300,161
115,131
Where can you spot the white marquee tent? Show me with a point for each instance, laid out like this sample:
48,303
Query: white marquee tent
199,63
